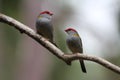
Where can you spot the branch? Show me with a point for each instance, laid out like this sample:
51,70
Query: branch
53,49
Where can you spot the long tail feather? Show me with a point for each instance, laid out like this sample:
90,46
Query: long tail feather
82,66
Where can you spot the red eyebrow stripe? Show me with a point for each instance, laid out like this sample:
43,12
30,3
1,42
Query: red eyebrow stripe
68,29
46,12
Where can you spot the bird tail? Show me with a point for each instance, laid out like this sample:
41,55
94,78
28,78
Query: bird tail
82,66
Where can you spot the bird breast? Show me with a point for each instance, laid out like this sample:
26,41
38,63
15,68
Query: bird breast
74,44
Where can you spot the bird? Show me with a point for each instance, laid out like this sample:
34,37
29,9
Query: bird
44,25
74,43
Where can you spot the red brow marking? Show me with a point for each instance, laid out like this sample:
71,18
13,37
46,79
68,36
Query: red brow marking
46,12
70,29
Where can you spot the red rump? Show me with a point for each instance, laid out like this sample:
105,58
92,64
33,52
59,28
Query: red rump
70,29
46,12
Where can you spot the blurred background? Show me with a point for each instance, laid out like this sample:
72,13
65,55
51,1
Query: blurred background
98,24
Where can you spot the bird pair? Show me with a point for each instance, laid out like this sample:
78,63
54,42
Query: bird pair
44,27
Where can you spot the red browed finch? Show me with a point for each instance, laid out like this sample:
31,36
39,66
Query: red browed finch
74,43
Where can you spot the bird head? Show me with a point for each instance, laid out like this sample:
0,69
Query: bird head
45,14
71,31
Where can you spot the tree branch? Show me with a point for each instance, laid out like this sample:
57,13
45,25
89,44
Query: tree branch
53,49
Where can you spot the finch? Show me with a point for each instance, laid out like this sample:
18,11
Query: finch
44,25
74,43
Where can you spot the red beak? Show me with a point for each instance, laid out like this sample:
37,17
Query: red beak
51,14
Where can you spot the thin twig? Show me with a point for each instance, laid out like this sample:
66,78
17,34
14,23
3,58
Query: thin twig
53,49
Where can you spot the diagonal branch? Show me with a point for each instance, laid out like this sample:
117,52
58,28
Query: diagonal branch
53,49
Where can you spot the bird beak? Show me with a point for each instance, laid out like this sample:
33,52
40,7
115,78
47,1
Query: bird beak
65,30
51,14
